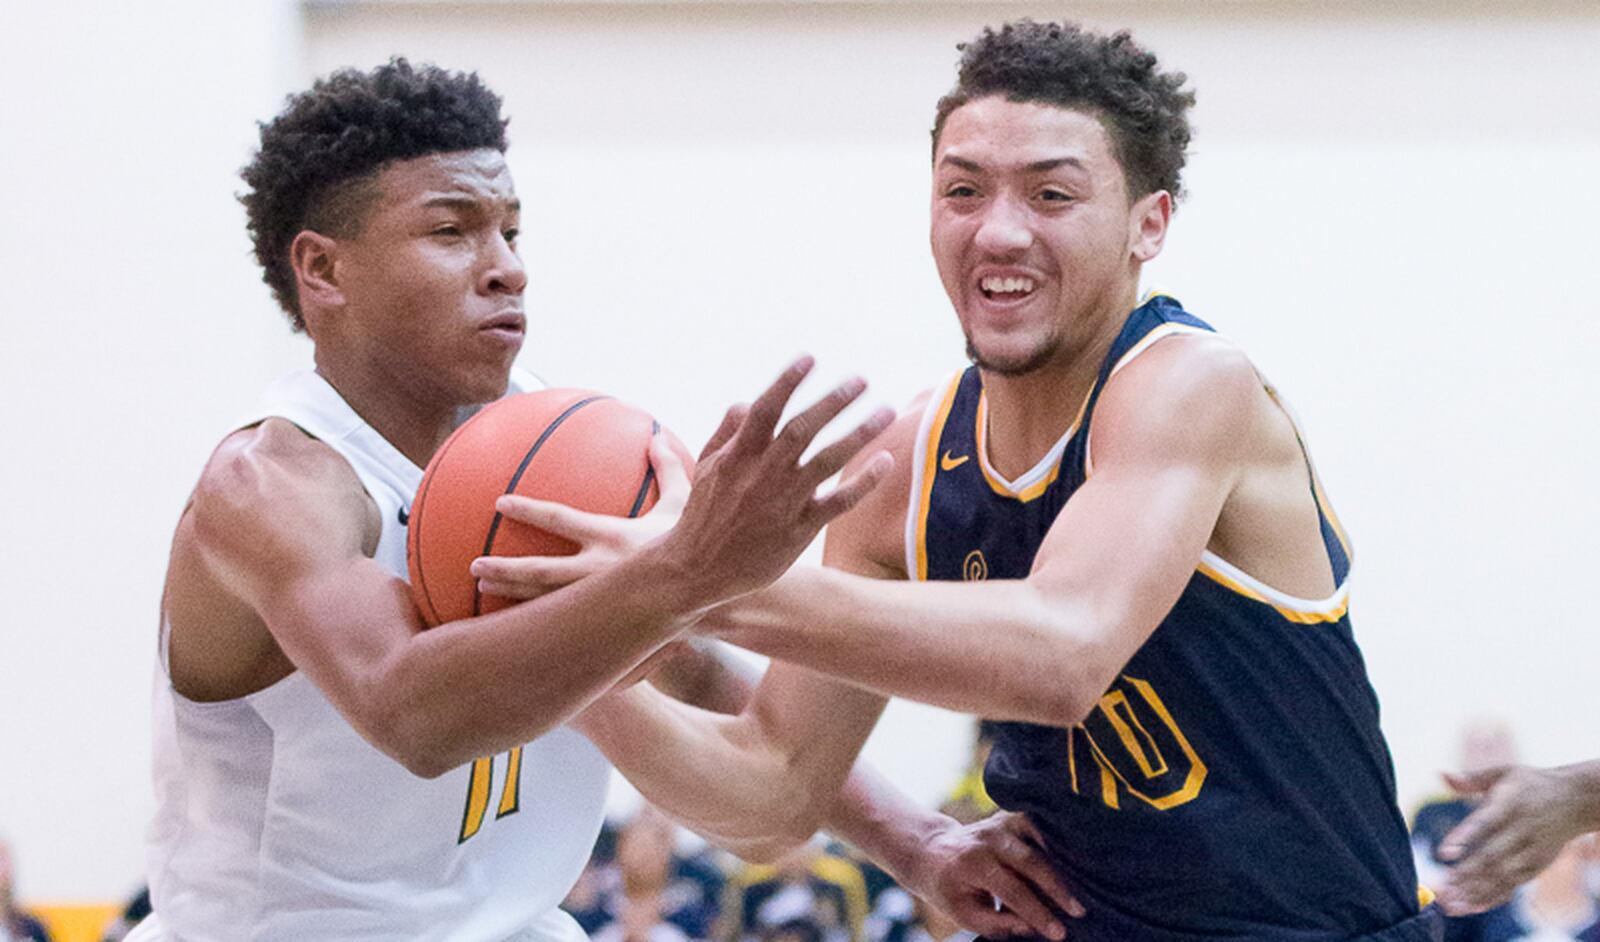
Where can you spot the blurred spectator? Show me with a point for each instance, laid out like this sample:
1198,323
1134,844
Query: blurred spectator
639,875
1558,905
969,801
795,930
807,885
644,862
595,898
16,925
137,909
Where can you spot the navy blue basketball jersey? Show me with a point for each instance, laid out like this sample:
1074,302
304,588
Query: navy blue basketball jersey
1233,782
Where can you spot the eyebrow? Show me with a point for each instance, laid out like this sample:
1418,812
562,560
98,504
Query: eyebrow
450,201
1038,166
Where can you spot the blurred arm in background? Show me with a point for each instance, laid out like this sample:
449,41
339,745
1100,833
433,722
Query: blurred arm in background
1527,817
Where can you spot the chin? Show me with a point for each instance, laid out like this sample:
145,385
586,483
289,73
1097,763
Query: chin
482,386
1011,359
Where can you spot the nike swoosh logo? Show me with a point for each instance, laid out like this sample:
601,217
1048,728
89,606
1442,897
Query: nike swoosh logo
950,463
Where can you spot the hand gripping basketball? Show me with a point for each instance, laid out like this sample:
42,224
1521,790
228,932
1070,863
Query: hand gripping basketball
754,507
602,539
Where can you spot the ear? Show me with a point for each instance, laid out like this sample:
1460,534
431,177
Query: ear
1147,225
314,258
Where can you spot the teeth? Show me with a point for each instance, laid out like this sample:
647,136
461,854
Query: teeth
997,285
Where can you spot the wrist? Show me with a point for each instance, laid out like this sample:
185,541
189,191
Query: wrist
908,857
675,581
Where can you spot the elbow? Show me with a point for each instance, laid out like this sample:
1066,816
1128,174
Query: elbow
1070,672
393,718
766,851
1061,691
782,838
410,742
427,764
787,819
1063,703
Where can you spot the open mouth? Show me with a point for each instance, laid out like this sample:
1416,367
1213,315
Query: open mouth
1006,287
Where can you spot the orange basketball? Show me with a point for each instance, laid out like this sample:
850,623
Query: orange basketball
573,446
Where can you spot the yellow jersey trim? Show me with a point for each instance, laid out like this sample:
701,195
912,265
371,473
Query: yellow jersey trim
1316,479
1006,488
930,469
1158,333
1298,616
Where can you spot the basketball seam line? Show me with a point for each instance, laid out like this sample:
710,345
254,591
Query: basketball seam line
649,476
527,459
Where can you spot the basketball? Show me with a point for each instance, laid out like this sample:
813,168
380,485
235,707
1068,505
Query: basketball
572,446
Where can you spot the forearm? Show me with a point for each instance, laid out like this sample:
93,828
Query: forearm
998,650
881,821
869,812
437,698
756,783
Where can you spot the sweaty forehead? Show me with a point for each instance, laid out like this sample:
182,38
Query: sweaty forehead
477,176
1002,135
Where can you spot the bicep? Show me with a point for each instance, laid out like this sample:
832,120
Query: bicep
1130,538
281,523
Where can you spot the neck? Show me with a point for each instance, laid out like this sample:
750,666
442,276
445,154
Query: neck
1028,413
414,424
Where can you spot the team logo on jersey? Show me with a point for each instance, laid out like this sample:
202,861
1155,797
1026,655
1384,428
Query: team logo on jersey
949,462
975,568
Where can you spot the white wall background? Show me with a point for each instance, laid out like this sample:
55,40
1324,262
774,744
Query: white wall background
1392,210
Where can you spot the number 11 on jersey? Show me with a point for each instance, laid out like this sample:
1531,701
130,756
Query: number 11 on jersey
478,788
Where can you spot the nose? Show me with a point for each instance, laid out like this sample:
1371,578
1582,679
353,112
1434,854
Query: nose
1004,229
504,274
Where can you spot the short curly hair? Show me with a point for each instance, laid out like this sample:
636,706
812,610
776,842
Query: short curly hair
319,157
1144,110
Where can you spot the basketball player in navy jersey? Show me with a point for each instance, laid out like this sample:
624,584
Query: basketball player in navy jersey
1118,544
314,746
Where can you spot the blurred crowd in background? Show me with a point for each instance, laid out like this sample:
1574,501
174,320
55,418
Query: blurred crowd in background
648,880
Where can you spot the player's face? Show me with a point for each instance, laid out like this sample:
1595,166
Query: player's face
433,283
1031,229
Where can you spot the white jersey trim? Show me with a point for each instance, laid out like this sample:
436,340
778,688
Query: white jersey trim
919,462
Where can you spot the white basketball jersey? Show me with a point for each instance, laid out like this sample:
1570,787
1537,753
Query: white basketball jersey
276,821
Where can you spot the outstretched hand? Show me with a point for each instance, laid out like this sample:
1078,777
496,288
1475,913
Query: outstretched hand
966,870
753,509
1527,817
755,506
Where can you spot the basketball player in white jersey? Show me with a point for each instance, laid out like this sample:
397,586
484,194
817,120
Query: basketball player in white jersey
325,768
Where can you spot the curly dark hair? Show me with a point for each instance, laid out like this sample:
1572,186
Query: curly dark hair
319,157
1144,110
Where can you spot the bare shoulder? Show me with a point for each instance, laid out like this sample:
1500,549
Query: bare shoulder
275,452
272,477
1189,391
867,540
271,502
